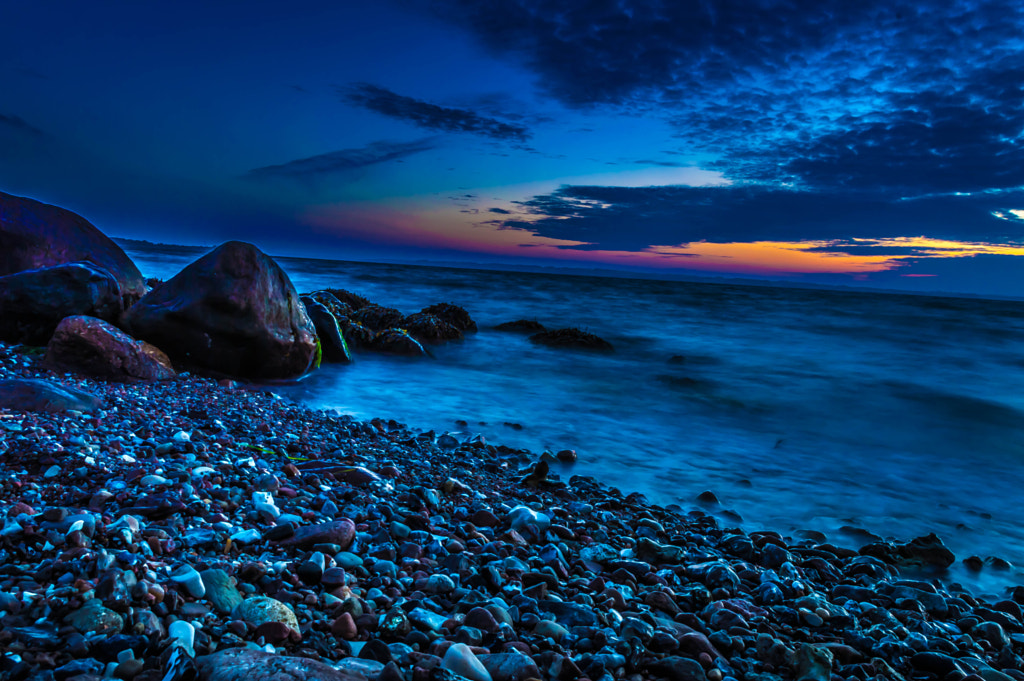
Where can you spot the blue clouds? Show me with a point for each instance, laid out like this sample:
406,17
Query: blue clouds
432,116
343,161
829,114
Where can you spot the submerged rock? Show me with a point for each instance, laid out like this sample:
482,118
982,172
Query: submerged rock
92,346
377,317
34,235
353,300
572,338
522,326
233,311
428,328
453,314
40,395
33,302
397,342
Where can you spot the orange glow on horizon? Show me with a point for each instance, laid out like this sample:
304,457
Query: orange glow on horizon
427,224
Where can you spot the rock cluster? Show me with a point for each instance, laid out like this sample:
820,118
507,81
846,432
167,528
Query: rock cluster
182,529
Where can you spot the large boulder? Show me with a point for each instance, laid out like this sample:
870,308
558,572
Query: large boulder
353,300
332,342
234,311
35,235
92,346
522,326
33,302
32,394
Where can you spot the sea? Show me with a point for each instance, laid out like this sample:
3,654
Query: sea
833,411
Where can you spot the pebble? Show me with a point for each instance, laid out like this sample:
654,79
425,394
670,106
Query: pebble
461,660
348,550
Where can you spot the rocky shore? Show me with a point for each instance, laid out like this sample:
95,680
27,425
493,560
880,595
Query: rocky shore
190,528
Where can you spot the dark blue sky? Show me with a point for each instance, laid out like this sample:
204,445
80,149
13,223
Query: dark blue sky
873,143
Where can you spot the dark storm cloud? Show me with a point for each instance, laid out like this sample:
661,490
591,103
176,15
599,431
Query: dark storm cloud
342,161
431,116
499,211
19,124
635,218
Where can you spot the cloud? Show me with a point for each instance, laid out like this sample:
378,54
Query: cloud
634,219
431,116
891,97
19,124
343,161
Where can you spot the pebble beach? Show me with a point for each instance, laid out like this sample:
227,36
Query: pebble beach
190,528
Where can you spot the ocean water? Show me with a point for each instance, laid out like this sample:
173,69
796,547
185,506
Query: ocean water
800,409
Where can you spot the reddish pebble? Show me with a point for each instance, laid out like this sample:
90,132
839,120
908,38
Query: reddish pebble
344,627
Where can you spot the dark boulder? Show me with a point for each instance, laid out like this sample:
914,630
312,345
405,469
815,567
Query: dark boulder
33,302
92,346
356,335
377,317
522,326
453,314
234,311
331,302
920,552
428,328
40,395
572,338
35,235
332,342
397,342
353,300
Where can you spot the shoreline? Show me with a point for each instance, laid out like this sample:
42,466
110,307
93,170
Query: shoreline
454,558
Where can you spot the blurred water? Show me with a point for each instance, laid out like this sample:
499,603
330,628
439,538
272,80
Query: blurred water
800,409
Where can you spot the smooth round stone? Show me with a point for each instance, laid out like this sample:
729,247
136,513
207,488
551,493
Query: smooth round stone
333,577
440,584
348,560
523,516
482,619
550,629
153,480
93,617
399,530
262,609
183,635
190,580
461,660
344,626
221,591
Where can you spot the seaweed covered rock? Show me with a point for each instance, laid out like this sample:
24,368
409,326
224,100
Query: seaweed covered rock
453,314
397,342
572,338
35,235
356,335
234,311
332,342
521,326
377,317
92,346
353,300
331,302
33,302
428,328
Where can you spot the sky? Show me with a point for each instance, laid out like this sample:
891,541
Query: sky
824,141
